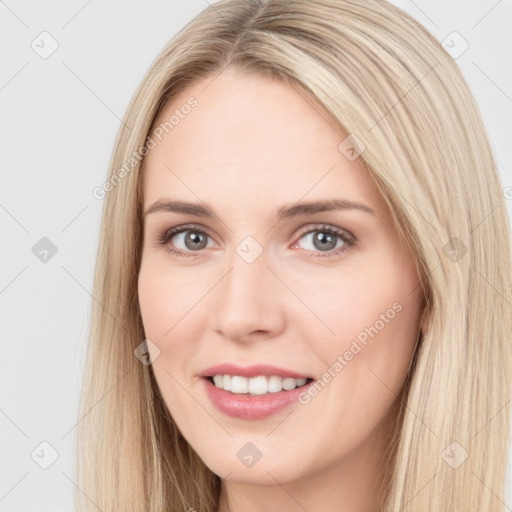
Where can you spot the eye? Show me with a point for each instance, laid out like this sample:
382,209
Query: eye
329,240
190,238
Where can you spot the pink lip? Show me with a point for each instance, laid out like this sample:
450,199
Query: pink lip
250,371
251,407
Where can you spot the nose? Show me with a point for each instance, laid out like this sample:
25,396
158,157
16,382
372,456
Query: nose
249,302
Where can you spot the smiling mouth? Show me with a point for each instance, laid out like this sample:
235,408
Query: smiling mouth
254,386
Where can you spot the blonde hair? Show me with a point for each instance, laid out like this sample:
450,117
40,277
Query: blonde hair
387,81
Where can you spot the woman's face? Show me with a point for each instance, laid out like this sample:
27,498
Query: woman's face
270,270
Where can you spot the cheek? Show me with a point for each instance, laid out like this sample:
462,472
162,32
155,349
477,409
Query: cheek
369,328
357,309
167,307
365,364
167,300
162,305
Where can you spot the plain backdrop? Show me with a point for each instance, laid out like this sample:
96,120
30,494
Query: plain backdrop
60,113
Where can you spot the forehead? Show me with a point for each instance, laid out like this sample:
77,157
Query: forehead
250,136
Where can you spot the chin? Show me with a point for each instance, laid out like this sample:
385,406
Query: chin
260,474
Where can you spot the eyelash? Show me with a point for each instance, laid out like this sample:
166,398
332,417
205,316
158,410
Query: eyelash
349,243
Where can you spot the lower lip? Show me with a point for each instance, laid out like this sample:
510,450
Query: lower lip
254,407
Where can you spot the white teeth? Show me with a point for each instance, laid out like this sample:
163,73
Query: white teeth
239,384
256,385
288,384
275,384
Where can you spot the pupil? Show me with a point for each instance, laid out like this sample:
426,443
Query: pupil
195,239
324,241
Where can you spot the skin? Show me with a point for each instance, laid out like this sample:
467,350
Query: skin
250,146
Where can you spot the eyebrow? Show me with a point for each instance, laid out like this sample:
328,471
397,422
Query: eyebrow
284,212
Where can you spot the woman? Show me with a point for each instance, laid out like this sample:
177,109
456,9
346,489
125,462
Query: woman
303,281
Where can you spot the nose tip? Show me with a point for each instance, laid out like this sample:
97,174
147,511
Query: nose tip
246,305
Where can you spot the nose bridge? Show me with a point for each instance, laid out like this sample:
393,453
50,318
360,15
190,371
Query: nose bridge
246,300
246,283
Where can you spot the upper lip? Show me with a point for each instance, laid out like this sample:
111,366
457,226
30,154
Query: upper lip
251,371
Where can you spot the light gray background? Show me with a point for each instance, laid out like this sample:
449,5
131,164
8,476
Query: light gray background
59,118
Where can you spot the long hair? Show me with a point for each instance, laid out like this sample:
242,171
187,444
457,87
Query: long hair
392,88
